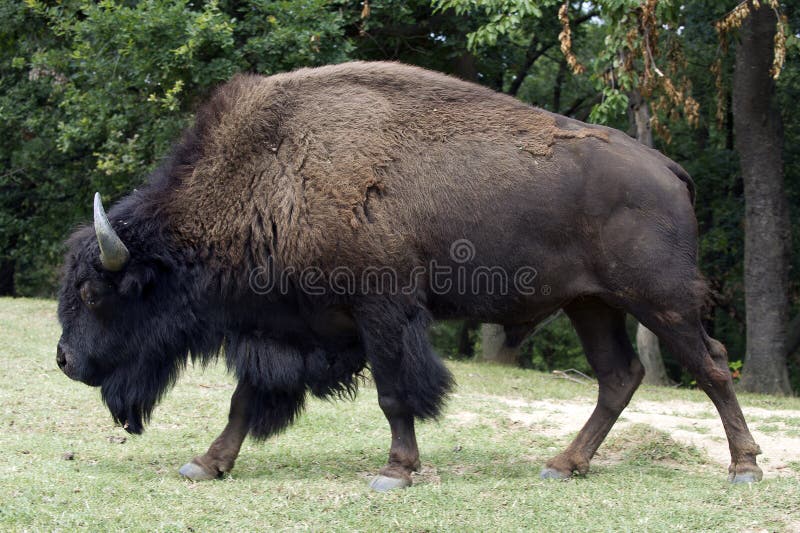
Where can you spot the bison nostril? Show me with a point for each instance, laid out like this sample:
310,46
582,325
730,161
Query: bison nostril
61,359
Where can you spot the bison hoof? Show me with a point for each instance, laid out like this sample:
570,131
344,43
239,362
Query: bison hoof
552,473
749,476
386,483
195,472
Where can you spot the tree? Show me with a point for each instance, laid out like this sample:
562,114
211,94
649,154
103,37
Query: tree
759,141
7,278
494,348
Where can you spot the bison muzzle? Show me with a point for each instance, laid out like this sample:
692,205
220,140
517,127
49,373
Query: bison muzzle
312,224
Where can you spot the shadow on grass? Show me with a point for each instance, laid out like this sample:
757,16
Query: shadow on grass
644,449
308,464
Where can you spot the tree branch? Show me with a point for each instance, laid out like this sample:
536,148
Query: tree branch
583,18
535,52
531,56
588,100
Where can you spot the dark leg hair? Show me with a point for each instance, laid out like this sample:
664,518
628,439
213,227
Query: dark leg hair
273,410
410,378
275,371
601,329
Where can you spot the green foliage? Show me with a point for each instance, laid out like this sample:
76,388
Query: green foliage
613,104
444,337
555,346
276,36
503,18
414,32
94,93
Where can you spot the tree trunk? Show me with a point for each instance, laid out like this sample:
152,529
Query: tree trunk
466,348
646,341
650,355
758,140
639,117
7,277
559,85
793,338
465,68
494,348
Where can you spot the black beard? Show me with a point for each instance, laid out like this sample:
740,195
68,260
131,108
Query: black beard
133,391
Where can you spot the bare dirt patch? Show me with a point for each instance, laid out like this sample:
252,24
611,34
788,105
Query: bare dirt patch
689,423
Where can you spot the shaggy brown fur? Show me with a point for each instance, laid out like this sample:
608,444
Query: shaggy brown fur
299,162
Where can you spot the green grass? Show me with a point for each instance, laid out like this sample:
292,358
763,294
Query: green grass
480,469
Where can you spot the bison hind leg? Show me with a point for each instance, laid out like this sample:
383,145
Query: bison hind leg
681,330
601,329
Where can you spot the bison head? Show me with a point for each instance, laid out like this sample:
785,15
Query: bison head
126,316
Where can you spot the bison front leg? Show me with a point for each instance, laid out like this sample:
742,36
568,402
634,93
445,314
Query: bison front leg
403,454
222,453
410,378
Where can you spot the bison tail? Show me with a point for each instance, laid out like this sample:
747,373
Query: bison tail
684,176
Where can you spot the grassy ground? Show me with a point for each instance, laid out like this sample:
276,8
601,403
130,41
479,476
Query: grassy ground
480,465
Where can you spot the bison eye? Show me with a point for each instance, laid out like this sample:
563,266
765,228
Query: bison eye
93,294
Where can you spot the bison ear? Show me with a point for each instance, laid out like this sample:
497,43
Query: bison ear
136,280
113,253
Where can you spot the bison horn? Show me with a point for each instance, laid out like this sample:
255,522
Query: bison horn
113,253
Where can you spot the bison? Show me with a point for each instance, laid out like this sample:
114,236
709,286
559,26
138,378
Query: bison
311,224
